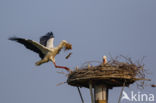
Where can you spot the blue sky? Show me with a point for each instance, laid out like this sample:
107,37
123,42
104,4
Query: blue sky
94,27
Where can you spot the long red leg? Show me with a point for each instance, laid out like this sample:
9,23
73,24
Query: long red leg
56,66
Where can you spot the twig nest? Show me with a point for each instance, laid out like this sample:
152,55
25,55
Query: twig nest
111,74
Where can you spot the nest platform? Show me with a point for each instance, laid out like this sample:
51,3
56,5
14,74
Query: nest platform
113,74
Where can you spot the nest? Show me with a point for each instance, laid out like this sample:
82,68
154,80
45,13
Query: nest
112,74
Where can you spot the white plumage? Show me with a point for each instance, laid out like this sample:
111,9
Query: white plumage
50,43
104,59
45,48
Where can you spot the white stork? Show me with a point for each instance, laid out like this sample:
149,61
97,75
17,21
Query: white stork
104,59
45,48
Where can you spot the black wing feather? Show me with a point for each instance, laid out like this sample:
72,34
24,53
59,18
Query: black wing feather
28,45
45,38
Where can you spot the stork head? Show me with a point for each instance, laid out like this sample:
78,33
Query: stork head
104,59
68,46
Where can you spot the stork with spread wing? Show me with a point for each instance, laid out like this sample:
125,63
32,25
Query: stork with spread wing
45,48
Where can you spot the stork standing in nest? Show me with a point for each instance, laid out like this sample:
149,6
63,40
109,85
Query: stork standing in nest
104,59
45,48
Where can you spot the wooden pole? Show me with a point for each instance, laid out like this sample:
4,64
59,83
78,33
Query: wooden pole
101,90
91,92
101,93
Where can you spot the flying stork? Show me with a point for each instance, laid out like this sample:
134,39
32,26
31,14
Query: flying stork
45,48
